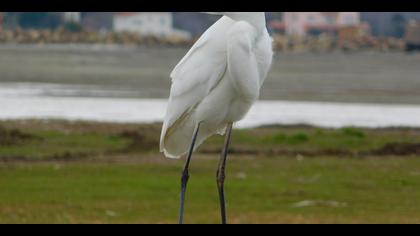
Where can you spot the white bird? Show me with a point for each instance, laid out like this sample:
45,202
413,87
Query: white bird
215,85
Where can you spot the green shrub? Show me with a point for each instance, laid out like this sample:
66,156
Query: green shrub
353,132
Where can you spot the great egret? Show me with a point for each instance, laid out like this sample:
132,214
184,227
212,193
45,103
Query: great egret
213,86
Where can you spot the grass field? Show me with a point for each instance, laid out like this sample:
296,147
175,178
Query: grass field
61,172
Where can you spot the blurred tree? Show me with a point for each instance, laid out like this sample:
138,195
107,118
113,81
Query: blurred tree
73,27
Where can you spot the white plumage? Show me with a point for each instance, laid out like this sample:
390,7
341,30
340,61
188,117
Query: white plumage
217,81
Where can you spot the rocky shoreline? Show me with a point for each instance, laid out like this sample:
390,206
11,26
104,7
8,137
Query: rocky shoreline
283,43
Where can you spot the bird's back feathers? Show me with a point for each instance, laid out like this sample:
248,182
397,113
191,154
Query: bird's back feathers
193,79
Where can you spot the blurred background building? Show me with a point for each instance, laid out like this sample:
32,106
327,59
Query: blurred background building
388,24
97,21
190,25
147,23
73,17
302,23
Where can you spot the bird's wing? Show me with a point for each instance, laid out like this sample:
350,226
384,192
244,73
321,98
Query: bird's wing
249,58
243,67
193,79
264,55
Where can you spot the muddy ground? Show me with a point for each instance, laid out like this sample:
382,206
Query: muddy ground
376,77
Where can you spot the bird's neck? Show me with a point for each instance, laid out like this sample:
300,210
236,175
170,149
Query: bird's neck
257,19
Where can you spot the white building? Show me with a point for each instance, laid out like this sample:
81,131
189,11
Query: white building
147,23
74,17
300,23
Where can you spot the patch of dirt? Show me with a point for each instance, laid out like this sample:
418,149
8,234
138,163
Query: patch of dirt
399,149
141,139
10,137
282,152
391,149
77,126
64,157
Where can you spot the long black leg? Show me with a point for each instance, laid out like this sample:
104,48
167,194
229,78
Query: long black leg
186,176
221,173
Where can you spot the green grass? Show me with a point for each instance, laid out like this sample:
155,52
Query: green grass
262,190
61,172
57,144
317,140
58,139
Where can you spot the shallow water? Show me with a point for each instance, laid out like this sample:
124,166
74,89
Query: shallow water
52,101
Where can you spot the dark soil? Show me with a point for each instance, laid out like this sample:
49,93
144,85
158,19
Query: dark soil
14,136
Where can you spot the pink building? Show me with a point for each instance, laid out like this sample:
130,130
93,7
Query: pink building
302,23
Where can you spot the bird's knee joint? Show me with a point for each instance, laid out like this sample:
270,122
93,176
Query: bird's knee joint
185,176
220,177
